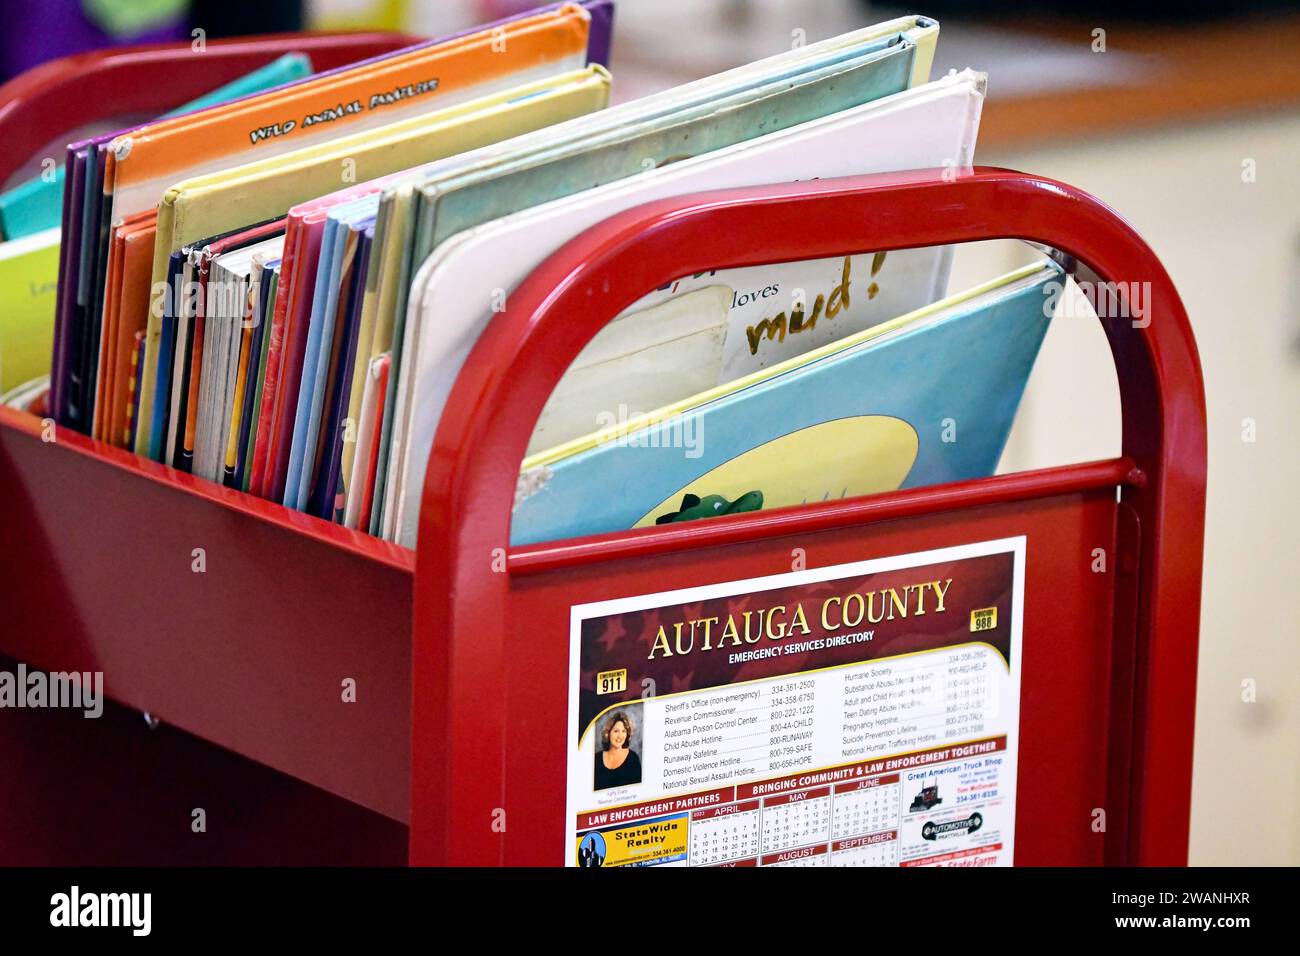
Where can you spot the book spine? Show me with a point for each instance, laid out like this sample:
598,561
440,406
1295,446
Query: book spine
62,308
293,349
256,371
133,389
372,459
259,482
271,384
191,401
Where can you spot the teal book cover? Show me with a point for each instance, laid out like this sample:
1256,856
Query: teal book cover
925,399
842,79
37,204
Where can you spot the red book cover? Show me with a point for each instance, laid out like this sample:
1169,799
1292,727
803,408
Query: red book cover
292,348
372,462
270,387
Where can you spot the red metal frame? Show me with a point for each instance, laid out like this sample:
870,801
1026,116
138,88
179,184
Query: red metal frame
477,673
95,570
51,100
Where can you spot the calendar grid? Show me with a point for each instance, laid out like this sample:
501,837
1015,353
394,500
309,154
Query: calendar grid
849,824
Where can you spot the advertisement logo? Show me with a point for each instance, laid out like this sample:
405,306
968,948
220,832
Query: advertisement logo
933,831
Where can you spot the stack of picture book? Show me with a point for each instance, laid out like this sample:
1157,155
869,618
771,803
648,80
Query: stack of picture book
275,289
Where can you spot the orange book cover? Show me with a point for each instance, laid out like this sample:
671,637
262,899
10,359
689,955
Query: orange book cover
106,381
108,322
367,96
132,319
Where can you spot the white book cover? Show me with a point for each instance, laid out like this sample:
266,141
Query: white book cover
761,317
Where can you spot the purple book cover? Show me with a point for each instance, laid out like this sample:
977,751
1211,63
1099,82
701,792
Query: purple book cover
73,190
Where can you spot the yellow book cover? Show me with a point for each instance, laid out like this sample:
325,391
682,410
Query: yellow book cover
29,272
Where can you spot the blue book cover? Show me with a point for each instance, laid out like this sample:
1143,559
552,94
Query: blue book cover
324,500
924,399
339,245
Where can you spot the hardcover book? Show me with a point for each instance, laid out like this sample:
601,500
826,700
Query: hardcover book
924,399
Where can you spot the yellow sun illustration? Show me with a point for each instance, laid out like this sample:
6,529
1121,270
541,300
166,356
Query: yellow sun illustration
843,458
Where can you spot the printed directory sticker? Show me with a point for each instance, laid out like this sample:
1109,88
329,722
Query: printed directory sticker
858,715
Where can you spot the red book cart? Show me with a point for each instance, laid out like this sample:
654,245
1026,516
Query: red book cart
454,750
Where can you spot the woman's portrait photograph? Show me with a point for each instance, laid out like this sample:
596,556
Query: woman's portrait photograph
617,761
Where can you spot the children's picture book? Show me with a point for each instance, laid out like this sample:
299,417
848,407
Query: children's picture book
92,203
374,93
622,367
130,172
29,396
923,399
179,385
717,326
361,485
290,316
227,342
266,277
